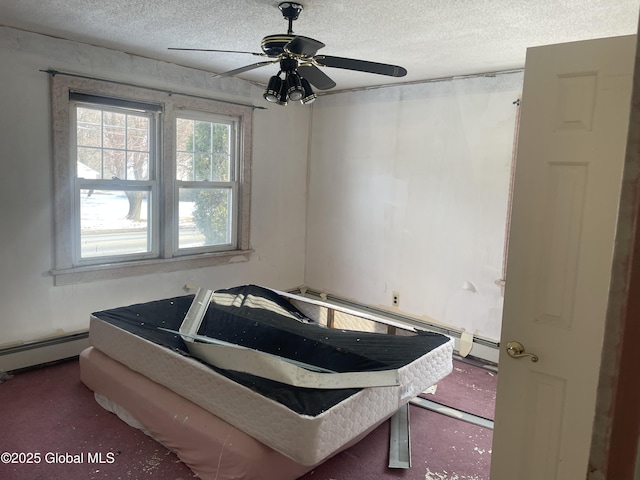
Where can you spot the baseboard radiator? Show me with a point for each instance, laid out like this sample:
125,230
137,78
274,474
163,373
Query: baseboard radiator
40,352
484,350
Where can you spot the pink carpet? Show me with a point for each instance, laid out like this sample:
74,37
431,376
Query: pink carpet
48,411
442,448
468,388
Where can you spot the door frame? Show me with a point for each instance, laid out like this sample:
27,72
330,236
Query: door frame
615,438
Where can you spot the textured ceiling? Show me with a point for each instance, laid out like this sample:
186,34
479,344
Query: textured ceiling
430,38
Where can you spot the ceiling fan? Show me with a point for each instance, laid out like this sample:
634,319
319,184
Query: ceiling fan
299,62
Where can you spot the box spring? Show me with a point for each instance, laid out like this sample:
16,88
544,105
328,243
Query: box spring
305,425
209,446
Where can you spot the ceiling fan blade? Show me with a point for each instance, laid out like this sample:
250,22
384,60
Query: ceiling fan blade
220,51
246,68
303,46
316,77
361,65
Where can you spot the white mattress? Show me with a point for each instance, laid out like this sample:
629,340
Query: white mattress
305,439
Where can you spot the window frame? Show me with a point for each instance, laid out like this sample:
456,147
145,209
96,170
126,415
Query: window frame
150,185
232,183
67,269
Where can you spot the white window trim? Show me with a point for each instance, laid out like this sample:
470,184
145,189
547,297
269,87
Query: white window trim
64,271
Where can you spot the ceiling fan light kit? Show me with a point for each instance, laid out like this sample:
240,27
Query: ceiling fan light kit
299,63
282,96
272,92
309,95
294,84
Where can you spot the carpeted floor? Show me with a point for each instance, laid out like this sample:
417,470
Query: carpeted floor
442,448
49,411
469,388
51,420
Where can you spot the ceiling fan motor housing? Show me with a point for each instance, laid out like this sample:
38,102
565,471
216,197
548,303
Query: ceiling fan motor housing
273,45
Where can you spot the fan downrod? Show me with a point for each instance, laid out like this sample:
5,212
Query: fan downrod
290,11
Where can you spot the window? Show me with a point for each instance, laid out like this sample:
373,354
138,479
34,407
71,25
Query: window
146,181
116,191
205,176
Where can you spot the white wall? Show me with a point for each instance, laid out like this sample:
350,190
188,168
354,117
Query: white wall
31,307
408,192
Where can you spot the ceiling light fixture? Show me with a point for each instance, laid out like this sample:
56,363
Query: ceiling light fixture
309,95
292,87
272,92
282,97
298,57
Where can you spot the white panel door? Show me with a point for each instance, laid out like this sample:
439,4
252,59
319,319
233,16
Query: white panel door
571,146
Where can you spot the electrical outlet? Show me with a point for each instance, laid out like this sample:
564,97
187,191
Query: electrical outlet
395,299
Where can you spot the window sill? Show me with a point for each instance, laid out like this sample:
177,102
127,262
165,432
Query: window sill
70,276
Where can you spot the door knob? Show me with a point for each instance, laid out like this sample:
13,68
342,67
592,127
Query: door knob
516,350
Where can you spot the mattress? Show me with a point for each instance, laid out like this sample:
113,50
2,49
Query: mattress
305,425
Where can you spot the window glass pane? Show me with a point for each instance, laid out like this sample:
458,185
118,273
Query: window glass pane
113,223
114,164
184,166
209,143
202,167
113,144
204,217
89,163
222,137
114,130
138,133
184,135
138,166
221,164
203,137
89,127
